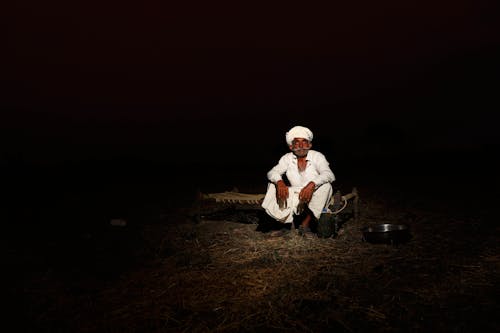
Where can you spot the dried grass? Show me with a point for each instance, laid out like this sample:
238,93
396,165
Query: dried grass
224,276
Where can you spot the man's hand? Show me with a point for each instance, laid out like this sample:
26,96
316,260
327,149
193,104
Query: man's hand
282,190
306,193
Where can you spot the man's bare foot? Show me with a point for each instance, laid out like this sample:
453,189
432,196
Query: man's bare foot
304,229
306,232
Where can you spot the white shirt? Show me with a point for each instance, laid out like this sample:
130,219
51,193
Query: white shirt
317,170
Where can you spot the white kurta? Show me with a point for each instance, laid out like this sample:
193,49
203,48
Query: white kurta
317,170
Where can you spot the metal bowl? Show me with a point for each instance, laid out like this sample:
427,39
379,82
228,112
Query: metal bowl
387,233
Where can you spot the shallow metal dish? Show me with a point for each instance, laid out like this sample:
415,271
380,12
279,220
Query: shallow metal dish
387,233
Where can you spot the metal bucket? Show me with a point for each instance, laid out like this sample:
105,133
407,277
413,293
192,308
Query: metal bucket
387,233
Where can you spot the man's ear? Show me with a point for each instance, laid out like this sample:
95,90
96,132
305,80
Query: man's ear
290,146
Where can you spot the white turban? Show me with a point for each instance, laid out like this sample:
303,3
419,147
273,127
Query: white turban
298,132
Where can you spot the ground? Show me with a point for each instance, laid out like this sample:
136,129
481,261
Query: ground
166,272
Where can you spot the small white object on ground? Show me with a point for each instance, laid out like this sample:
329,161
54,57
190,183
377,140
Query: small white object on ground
118,222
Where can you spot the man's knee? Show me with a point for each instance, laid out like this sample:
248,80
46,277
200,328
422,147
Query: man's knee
324,189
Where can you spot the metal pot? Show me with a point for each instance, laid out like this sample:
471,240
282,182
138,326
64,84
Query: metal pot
387,233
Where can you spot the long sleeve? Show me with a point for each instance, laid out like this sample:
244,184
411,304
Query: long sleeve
325,174
276,173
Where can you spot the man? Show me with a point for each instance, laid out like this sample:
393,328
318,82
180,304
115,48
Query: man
309,176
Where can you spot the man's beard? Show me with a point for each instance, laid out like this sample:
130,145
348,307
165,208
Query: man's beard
300,152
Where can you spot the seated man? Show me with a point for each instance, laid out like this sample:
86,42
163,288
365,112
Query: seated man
310,178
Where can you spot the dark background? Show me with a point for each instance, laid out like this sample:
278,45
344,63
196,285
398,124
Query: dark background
109,105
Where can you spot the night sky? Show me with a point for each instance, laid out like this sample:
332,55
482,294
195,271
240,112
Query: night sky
127,109
198,86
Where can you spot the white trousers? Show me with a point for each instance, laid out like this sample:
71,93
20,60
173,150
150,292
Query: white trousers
319,201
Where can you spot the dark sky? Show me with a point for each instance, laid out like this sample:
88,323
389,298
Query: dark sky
156,77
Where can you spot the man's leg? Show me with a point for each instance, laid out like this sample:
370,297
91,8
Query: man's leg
307,219
305,223
270,205
312,212
305,226
320,199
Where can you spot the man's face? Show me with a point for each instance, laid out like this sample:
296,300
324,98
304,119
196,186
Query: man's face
300,147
